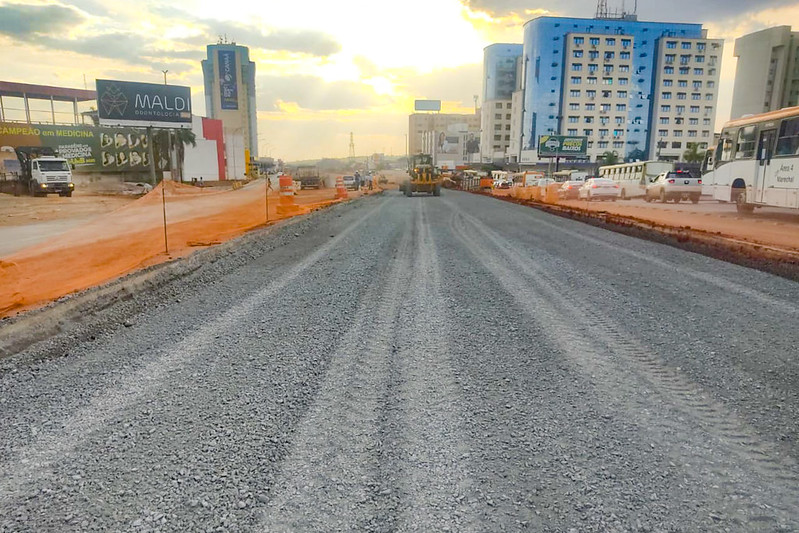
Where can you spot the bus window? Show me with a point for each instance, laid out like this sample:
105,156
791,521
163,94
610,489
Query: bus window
746,143
725,149
788,141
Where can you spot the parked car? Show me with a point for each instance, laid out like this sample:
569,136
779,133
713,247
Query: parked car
350,183
675,185
569,190
599,189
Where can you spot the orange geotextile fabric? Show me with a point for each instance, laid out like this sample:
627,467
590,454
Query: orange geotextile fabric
132,237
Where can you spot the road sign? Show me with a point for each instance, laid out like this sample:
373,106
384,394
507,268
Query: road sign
562,146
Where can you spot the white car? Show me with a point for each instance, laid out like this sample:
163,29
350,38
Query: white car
599,189
675,185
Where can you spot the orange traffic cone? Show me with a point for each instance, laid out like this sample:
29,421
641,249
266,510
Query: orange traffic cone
287,206
341,190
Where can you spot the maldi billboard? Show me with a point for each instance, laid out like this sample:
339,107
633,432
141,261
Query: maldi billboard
126,103
89,148
228,88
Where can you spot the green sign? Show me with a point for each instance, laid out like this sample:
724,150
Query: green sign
88,148
562,146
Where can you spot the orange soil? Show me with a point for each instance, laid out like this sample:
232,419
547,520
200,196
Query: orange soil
132,237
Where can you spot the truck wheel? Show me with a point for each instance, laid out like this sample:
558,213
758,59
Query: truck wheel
437,190
68,194
662,196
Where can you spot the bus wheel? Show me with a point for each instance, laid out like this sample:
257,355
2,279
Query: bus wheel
741,205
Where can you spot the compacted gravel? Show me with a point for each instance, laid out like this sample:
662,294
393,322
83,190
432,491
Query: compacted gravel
424,364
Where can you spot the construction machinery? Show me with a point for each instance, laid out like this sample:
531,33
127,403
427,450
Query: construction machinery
423,176
37,171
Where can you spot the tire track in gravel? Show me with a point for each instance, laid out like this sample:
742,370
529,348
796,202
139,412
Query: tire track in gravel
725,451
33,460
329,481
431,456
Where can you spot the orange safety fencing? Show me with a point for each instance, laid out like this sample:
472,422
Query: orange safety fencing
132,237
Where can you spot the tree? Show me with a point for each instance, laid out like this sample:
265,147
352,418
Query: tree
610,158
692,154
180,138
636,155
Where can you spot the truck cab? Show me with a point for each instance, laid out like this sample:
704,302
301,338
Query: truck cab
51,175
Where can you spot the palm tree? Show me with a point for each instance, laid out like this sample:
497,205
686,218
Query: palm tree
692,154
180,138
610,158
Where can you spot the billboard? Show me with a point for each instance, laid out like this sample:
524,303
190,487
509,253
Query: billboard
228,88
124,103
89,148
427,105
562,146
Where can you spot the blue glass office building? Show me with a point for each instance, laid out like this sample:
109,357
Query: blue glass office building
544,61
499,71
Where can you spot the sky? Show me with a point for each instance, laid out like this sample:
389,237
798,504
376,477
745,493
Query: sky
324,69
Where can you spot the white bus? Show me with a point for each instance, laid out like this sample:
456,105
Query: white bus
633,177
756,161
562,176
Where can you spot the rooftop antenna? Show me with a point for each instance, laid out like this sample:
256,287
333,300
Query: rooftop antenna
601,9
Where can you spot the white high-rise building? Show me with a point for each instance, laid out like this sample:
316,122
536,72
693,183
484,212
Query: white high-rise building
499,82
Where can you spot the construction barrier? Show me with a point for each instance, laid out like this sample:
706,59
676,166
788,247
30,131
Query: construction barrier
287,205
341,190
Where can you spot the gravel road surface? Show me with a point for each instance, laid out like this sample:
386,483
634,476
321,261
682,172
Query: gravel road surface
427,364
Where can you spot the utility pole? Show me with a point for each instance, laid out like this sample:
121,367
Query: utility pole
352,146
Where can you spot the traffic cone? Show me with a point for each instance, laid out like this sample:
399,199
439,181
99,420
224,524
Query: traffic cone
341,190
287,205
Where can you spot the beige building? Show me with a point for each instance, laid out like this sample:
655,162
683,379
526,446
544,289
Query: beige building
767,75
423,126
596,90
496,133
685,95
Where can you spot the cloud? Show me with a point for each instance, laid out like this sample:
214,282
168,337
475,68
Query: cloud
675,10
311,92
26,22
458,84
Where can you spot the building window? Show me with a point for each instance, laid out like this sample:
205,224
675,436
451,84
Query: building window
618,144
621,94
698,71
670,58
671,44
665,96
705,133
610,42
665,109
709,96
589,120
604,120
590,93
668,70
588,132
678,133
692,133
603,132
664,120
676,144
681,96
609,55
594,41
574,107
571,131
626,42
710,71
591,80
699,59
700,47
576,80
498,105
680,109
574,93
592,68
508,105
686,46
574,120
668,83
624,68
507,117
684,60
619,120
577,67
663,133
590,107
507,126
604,107
679,120
593,54
621,107
624,55
694,109
608,69
623,81
618,133
497,137
607,81
497,126
507,137
682,83
602,144
579,40
693,121
697,84
696,96
684,70
706,122
711,84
